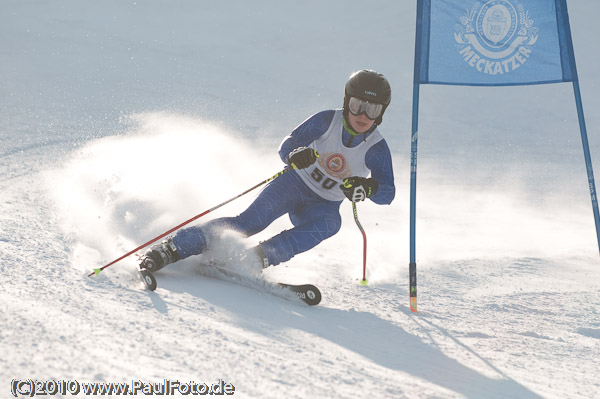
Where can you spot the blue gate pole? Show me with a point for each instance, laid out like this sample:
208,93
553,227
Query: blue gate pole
572,74
412,268
588,158
414,138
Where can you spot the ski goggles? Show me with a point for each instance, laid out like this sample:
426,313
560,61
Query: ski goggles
358,106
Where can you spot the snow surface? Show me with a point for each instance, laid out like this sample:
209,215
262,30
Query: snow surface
120,119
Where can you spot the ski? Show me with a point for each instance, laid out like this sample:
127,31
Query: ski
307,293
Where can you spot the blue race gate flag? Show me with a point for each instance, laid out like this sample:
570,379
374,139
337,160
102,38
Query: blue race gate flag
497,42
492,43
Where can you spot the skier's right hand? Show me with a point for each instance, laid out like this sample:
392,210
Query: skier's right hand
302,157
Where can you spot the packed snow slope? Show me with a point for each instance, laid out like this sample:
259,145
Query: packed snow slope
120,119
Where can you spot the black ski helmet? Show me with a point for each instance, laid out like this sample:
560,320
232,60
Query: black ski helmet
370,86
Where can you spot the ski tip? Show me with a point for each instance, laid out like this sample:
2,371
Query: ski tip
364,282
413,304
148,279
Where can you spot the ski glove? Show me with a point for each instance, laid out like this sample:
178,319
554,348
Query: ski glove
358,188
302,157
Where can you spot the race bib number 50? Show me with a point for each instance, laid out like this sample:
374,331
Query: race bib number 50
326,182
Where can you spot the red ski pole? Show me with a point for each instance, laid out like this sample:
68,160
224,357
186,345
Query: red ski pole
97,271
364,280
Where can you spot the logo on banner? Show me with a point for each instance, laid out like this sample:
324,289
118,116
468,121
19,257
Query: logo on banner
496,37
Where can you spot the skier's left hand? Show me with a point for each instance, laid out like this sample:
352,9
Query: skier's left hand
358,188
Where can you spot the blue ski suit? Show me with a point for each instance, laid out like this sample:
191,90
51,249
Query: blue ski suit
313,217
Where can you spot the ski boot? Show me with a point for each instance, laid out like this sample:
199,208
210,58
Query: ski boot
252,259
258,255
159,255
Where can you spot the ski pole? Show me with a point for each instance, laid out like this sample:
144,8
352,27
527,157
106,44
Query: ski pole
97,271
364,280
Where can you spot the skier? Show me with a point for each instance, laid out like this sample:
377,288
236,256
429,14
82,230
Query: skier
332,154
